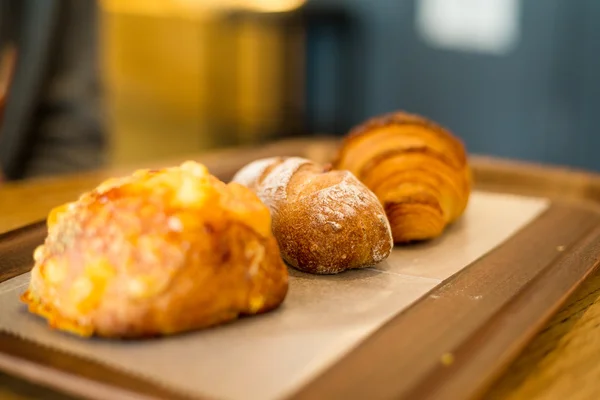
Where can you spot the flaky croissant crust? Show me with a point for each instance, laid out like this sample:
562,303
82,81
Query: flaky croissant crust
417,169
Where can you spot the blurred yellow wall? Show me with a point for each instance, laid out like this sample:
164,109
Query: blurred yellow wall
178,80
153,79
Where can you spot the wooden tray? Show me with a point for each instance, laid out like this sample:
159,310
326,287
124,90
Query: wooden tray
526,279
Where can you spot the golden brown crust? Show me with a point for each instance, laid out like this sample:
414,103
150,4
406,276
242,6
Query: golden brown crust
417,169
404,118
325,221
157,253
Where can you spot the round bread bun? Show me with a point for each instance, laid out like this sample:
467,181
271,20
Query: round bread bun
157,253
325,221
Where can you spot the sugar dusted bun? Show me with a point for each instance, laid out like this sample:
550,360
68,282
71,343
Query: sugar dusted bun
325,221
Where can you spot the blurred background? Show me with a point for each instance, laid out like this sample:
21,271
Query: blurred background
91,83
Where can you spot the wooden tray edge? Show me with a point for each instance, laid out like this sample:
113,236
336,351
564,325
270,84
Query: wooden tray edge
423,335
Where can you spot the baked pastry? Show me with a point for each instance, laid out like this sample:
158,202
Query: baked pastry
325,221
417,169
156,253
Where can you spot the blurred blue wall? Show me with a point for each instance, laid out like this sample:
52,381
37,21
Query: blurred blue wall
540,101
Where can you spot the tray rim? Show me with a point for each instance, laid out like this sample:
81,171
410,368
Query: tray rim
437,381
569,189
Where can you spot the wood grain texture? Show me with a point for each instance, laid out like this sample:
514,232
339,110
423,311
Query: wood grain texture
561,362
17,247
16,389
479,333
77,377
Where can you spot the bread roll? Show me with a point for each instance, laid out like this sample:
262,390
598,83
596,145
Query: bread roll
157,253
325,221
417,169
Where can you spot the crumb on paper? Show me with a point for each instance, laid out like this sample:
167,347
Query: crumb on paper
560,248
447,359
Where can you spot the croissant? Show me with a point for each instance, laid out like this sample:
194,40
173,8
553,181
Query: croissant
417,169
325,221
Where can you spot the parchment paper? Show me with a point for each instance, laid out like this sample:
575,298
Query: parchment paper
322,318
